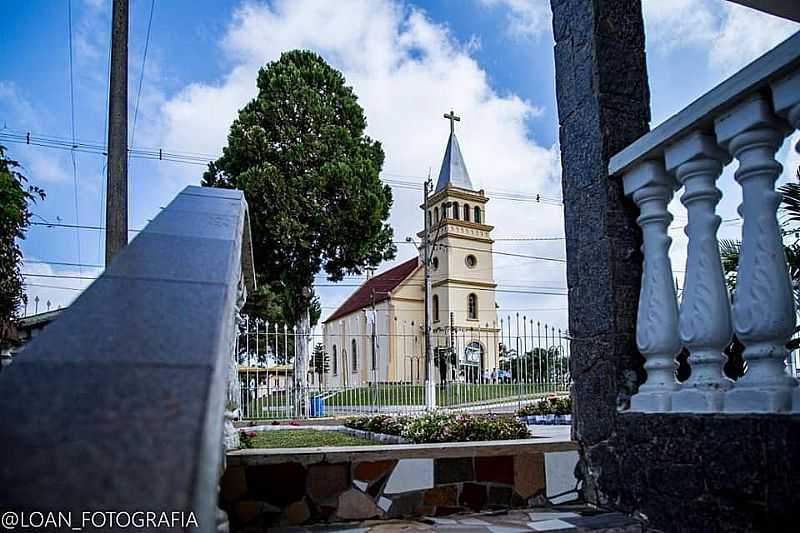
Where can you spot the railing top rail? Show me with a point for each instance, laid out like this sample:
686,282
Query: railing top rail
118,405
701,113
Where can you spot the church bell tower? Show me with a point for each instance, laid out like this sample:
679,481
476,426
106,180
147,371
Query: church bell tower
463,289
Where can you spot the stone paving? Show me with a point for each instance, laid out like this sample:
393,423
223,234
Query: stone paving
567,519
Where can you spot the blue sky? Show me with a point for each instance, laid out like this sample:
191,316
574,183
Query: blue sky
490,60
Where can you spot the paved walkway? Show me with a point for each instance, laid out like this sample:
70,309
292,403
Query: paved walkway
566,519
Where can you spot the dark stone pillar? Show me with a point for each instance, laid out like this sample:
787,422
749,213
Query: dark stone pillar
603,105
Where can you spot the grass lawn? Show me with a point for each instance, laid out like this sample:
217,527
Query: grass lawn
306,438
395,394
453,394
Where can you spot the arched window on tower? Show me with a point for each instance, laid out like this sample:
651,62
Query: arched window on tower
430,219
334,361
435,305
472,307
354,355
444,210
435,215
455,210
466,212
477,217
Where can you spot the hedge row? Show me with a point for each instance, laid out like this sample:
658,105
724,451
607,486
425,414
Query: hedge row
547,406
437,426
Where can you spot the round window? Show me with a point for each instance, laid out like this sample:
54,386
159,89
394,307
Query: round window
435,263
471,261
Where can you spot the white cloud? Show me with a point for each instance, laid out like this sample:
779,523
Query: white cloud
526,18
745,35
407,71
732,35
38,166
678,23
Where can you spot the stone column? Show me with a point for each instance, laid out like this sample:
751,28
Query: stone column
603,105
705,317
763,303
657,319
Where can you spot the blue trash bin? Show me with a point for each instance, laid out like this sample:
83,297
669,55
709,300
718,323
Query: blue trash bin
317,406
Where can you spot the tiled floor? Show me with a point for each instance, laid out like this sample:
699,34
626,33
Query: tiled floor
573,519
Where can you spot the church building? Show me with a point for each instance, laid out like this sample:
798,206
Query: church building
377,334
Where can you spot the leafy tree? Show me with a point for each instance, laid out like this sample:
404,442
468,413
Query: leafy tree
15,200
311,179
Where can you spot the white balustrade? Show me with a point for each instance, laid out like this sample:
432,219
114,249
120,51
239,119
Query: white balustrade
657,326
705,316
763,303
747,117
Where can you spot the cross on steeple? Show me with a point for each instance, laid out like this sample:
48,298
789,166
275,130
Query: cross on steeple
451,116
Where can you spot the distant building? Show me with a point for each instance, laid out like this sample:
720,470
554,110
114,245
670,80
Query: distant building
463,297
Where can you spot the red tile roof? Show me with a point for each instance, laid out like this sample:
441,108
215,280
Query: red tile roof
382,285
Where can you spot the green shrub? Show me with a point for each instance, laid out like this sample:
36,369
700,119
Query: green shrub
386,424
429,427
547,406
474,428
438,426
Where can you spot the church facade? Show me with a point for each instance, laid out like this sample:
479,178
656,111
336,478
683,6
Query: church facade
377,334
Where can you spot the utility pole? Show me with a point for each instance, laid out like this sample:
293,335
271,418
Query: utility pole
430,386
374,355
117,177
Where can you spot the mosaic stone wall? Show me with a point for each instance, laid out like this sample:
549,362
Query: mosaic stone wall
296,492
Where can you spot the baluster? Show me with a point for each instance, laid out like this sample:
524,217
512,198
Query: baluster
786,100
763,303
657,322
705,316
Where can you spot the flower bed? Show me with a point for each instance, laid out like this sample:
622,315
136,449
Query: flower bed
553,410
438,426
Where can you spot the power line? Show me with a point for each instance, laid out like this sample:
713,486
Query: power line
520,290
53,287
72,120
141,73
497,252
522,197
529,239
195,158
58,276
59,263
76,226
139,94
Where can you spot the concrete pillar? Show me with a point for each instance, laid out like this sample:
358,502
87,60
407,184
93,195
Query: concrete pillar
603,105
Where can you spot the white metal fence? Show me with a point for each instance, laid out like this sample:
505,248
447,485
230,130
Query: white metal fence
492,369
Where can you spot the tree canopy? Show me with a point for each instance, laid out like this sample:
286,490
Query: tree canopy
311,179
15,199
